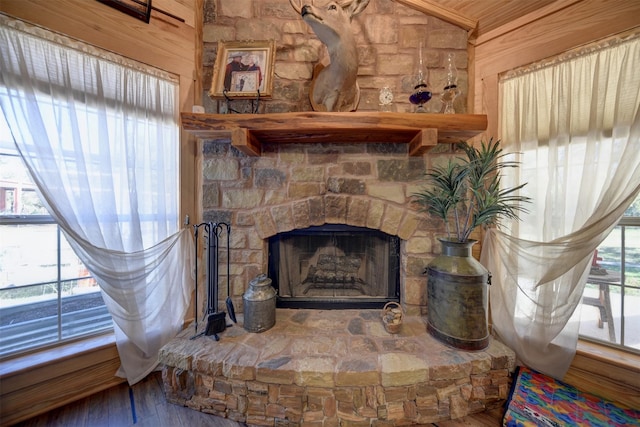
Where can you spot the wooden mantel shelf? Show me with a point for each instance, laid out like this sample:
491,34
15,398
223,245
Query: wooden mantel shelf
421,131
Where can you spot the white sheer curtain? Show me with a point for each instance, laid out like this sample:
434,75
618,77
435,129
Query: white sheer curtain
574,124
100,138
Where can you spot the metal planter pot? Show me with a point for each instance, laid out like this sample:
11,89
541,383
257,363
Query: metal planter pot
458,297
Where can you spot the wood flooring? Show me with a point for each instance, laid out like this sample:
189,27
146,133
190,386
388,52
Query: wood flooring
144,405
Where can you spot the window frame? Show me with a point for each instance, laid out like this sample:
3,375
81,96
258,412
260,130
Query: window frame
58,282
90,364
625,221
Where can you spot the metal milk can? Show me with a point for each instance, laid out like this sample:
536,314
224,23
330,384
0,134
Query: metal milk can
259,305
458,297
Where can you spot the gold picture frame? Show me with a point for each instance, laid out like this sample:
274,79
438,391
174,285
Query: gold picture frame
243,68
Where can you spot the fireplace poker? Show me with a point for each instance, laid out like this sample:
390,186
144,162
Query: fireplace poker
230,308
195,232
215,320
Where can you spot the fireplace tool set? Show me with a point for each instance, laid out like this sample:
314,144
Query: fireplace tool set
216,320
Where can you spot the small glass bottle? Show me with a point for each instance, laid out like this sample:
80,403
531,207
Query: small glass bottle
450,91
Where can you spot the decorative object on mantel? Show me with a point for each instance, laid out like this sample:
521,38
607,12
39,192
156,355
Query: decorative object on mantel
259,305
334,87
465,194
246,106
385,98
450,91
392,317
243,69
421,95
248,132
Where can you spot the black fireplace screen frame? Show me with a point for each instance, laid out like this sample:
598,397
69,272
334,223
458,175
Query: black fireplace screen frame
372,302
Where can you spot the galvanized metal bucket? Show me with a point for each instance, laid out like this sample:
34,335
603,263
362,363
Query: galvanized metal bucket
458,297
259,305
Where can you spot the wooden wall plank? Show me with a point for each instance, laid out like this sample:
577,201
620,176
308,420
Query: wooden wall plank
578,24
165,43
536,15
443,12
184,9
493,14
568,27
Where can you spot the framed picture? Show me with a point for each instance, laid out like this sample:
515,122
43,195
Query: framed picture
243,69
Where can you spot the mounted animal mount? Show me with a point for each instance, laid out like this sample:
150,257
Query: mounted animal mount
334,87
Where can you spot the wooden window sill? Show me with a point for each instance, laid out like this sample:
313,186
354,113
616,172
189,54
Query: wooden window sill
35,383
609,355
22,363
607,372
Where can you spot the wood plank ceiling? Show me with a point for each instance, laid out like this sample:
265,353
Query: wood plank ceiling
478,16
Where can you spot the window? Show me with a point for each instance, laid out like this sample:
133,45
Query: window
47,296
610,312
99,134
572,121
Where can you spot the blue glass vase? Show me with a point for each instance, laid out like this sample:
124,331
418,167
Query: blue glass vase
420,96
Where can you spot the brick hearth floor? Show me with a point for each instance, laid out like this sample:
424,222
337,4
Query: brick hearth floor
331,368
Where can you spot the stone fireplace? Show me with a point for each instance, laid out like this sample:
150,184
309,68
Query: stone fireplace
287,170
317,366
269,174
293,187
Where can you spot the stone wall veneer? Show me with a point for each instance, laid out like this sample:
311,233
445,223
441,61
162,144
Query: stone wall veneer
387,34
294,186
298,186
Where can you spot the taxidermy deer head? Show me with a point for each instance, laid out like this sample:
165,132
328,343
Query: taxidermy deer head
334,88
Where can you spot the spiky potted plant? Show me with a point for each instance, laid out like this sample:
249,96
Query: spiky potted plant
465,194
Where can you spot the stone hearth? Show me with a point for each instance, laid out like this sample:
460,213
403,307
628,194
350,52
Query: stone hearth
331,368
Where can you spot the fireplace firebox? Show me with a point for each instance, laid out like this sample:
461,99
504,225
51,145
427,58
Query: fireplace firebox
335,266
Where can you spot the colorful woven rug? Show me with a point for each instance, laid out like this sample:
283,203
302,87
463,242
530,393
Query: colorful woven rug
538,400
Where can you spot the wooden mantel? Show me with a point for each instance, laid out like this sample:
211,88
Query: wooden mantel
421,131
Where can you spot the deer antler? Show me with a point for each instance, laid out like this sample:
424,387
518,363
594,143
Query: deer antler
296,6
